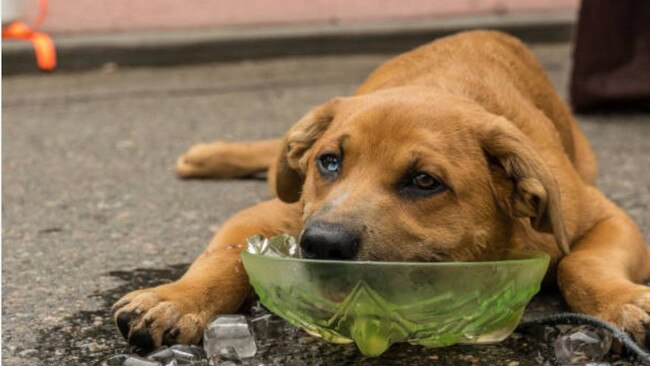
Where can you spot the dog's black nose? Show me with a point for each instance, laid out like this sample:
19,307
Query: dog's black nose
322,240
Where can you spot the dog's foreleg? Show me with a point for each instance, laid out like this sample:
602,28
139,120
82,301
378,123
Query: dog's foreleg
226,160
215,283
604,273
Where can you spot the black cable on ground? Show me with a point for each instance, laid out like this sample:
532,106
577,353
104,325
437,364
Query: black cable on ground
580,319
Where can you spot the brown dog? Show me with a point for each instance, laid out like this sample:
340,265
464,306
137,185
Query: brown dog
456,151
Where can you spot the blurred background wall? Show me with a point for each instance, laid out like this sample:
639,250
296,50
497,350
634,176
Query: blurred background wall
98,16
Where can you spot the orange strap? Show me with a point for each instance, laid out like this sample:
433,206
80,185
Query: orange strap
42,43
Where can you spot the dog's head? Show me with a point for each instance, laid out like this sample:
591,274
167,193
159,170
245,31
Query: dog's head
406,175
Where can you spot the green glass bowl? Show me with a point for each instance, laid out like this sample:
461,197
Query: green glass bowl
376,304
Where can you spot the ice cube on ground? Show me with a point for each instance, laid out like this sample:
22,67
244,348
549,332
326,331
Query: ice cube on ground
228,354
116,360
580,345
186,354
228,363
139,361
267,326
163,355
229,331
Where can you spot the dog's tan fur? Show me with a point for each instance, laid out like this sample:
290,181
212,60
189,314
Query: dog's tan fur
476,110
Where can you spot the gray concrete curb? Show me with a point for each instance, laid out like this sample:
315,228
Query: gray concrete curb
203,46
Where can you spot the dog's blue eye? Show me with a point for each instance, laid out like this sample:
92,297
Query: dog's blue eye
329,164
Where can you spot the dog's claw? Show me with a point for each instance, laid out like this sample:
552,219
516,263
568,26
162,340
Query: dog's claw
169,337
120,304
123,321
142,340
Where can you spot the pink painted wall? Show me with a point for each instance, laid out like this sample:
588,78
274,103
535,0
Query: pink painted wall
122,15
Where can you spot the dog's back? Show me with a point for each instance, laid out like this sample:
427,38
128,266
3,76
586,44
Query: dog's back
499,73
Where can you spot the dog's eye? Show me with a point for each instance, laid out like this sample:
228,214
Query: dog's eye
427,183
329,164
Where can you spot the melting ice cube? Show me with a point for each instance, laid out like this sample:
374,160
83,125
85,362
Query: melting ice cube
163,355
229,331
580,345
128,360
278,246
186,354
267,326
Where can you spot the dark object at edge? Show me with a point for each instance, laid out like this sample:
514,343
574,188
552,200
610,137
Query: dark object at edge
611,67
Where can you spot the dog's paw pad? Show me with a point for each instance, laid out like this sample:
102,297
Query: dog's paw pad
634,318
147,321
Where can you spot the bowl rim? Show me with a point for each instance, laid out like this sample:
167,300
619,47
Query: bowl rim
532,256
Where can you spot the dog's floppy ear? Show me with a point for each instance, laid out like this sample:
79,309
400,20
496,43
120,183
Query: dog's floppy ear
535,191
297,142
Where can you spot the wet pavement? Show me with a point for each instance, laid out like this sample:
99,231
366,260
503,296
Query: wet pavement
89,195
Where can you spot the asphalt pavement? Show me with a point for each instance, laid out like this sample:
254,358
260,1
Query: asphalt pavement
89,193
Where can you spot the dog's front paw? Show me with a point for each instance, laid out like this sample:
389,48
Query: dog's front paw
634,316
205,161
162,315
